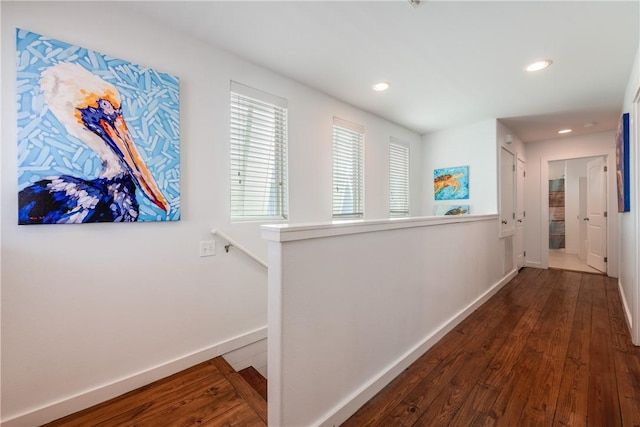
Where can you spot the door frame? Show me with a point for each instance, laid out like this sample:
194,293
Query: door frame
612,209
519,240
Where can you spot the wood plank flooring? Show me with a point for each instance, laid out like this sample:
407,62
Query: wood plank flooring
549,349
209,394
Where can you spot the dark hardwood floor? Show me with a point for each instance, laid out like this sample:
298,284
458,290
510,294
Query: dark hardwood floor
551,348
210,394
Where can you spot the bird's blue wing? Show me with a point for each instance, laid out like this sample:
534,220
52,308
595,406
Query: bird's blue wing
60,200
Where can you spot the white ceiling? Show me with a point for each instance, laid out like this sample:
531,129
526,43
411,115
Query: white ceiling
449,62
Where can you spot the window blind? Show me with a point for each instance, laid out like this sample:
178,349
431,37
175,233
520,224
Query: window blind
258,155
348,169
398,179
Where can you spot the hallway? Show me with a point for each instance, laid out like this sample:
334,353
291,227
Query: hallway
559,259
550,349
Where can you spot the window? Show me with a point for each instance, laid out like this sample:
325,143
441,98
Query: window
258,155
398,179
348,169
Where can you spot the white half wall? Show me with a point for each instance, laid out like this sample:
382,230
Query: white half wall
95,307
351,305
537,191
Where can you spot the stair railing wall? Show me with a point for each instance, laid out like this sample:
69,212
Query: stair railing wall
352,304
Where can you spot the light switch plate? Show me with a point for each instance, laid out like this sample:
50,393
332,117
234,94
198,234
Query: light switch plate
208,248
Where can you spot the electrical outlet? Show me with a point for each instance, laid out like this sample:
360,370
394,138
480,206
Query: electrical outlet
208,248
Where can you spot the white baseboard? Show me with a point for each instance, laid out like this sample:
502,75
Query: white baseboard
533,264
352,403
627,312
254,354
118,387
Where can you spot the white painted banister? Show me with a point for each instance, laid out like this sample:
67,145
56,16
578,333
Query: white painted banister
237,245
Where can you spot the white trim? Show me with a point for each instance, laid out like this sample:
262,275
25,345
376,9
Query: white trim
532,264
274,345
88,398
544,213
507,216
258,94
355,127
288,232
341,412
625,306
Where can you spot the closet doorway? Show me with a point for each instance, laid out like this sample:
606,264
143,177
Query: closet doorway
577,214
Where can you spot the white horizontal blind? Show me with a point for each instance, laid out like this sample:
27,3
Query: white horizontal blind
348,170
398,179
258,155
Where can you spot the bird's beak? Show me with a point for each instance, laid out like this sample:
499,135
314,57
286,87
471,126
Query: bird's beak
121,138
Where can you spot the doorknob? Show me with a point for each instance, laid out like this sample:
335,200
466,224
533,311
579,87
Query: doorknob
586,219
504,222
519,220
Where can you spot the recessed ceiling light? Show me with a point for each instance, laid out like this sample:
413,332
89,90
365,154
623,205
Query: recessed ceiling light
379,87
565,130
589,124
539,65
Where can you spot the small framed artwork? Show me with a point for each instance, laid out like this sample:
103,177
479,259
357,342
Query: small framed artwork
450,210
451,183
622,164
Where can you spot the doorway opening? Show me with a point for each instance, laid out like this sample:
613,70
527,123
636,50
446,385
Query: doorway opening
577,214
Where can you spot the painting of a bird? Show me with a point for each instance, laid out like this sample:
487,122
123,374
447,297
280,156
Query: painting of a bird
90,109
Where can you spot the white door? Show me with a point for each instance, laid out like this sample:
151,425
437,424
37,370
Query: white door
596,214
507,185
520,214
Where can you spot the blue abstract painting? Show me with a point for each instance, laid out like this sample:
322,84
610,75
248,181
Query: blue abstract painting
451,183
622,164
98,137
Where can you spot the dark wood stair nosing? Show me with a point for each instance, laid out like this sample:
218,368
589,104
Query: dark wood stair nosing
244,389
255,380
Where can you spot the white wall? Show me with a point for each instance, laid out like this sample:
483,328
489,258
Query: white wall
516,145
91,311
338,335
536,192
557,169
473,145
630,221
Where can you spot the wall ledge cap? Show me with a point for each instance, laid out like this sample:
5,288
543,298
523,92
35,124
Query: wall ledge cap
303,231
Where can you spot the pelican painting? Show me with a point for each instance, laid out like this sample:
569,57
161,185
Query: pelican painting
79,159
